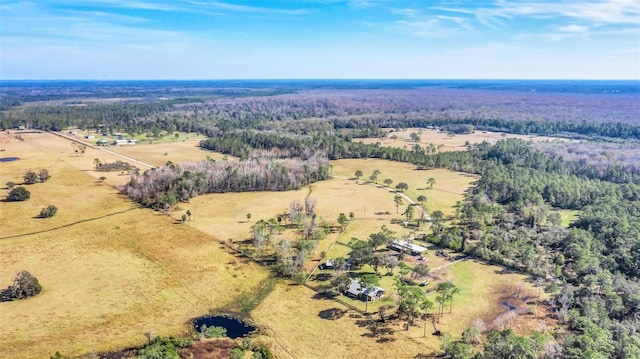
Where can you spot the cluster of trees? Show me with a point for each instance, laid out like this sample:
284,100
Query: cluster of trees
20,193
167,348
31,177
24,285
17,194
164,186
48,211
112,166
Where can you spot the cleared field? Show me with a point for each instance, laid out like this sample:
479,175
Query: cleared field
568,216
46,150
448,189
178,151
443,141
225,215
484,289
112,276
295,316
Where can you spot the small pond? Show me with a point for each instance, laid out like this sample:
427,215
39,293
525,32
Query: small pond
235,328
9,159
509,306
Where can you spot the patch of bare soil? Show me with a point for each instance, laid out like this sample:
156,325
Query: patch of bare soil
210,349
521,310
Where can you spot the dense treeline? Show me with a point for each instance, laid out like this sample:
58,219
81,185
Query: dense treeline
164,186
225,110
593,263
525,127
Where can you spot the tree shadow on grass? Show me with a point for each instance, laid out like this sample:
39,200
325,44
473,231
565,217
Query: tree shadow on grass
428,356
325,295
322,277
377,329
332,314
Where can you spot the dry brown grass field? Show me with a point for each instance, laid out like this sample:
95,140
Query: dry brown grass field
59,150
454,143
449,187
295,313
109,278
112,271
178,151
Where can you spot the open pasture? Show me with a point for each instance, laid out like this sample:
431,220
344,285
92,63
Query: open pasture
443,142
78,196
448,189
47,150
183,149
306,325
110,271
224,215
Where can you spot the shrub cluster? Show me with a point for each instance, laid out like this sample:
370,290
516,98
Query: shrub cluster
31,177
49,211
114,166
24,285
18,194
213,332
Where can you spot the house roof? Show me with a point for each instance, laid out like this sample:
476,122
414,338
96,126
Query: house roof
356,288
414,248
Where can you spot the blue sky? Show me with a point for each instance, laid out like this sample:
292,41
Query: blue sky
428,39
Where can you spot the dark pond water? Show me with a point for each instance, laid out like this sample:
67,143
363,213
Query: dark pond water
8,159
235,328
509,306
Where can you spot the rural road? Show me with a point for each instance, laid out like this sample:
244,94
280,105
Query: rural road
77,140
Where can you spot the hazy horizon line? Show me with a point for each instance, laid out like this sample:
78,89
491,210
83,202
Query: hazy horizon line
321,79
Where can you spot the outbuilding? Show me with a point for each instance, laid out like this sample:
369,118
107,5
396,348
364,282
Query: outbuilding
406,246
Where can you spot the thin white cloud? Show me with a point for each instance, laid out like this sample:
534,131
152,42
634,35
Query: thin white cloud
108,16
132,4
574,29
407,12
607,11
431,28
460,21
594,13
485,17
249,9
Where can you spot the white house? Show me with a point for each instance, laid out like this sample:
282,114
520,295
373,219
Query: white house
357,290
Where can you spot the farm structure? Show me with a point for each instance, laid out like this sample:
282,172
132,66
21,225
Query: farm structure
406,246
359,291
